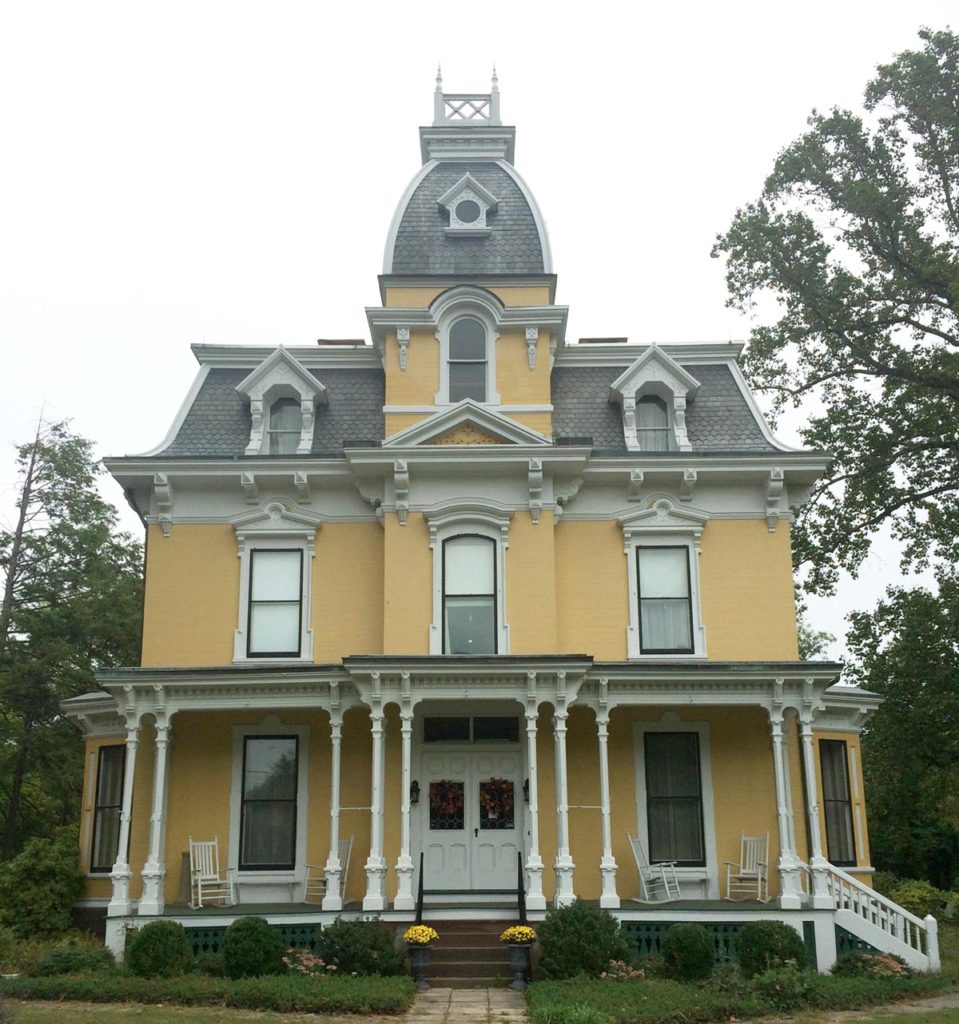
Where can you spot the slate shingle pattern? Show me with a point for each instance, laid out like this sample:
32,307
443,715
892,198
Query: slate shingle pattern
423,247
218,422
718,419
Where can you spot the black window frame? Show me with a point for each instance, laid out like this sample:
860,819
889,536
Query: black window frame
842,747
495,553
97,806
688,599
451,361
250,602
291,865
699,863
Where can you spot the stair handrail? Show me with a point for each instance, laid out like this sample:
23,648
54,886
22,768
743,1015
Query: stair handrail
520,888
419,894
849,893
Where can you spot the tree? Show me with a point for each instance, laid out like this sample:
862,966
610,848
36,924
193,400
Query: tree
907,649
856,238
71,601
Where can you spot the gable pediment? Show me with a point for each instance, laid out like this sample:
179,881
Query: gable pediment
466,423
654,366
662,516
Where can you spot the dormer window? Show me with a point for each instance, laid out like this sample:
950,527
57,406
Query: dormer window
468,205
652,424
286,425
467,360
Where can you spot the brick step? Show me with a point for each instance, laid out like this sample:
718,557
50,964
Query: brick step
464,940
473,983
467,954
480,969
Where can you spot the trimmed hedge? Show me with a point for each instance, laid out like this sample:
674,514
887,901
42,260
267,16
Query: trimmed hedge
688,952
289,994
252,948
159,950
767,945
581,939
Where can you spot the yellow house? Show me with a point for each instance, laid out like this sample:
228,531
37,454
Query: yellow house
469,614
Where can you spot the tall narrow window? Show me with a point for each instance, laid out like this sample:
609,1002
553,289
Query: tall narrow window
840,839
276,588
106,813
652,424
286,424
268,810
467,360
469,595
665,608
674,798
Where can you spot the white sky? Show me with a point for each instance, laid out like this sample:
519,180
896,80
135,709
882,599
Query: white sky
226,172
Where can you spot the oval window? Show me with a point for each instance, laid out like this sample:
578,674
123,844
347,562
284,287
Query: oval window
467,211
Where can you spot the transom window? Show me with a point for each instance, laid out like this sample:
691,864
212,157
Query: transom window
276,596
674,799
665,608
840,838
469,595
652,424
467,729
106,814
466,363
268,803
286,425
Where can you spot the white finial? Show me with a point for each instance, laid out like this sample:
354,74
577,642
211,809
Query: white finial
439,112
439,77
494,100
495,80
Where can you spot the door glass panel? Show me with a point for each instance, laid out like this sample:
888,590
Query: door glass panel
497,804
446,806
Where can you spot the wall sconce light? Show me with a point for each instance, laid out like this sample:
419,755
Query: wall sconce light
414,792
526,790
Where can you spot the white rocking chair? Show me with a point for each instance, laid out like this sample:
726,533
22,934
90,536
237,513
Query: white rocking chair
658,883
749,879
314,886
206,881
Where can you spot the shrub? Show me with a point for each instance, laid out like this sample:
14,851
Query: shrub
785,988
885,882
211,964
159,950
359,947
920,898
251,948
581,939
870,965
688,952
74,959
39,887
764,945
8,945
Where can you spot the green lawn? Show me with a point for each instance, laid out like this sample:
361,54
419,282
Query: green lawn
100,1013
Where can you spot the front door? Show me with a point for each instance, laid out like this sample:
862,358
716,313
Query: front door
472,827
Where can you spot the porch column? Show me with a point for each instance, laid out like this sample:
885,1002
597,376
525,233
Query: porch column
790,879
375,898
535,900
564,862
821,899
609,898
119,905
335,882
404,864
154,870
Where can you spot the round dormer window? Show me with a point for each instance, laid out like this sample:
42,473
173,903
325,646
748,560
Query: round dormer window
468,211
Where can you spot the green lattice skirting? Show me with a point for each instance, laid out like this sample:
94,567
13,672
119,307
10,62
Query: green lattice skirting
295,936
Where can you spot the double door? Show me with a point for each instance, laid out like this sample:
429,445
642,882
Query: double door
471,819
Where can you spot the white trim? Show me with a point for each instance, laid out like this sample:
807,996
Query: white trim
708,876
398,214
401,409
750,399
249,357
275,886
536,212
486,519
466,411
181,415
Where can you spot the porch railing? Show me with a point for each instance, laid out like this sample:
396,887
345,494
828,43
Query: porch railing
520,888
848,893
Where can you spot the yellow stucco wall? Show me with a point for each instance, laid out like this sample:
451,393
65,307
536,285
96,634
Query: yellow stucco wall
530,584
408,590
420,381
516,383
420,298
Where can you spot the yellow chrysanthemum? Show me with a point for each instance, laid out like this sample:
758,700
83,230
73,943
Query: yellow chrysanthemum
518,934
420,935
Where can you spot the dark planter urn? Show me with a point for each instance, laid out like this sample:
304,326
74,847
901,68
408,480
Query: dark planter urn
419,961
519,965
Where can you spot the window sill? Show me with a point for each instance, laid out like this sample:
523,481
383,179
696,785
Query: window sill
293,659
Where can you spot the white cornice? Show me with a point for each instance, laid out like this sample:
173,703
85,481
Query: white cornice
242,357
625,355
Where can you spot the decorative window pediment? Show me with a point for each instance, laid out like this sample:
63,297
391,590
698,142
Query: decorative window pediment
468,205
467,422
653,385
271,389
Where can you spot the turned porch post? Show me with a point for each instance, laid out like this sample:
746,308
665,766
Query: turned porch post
335,882
790,877
564,862
535,900
609,898
375,898
404,864
821,898
154,870
119,905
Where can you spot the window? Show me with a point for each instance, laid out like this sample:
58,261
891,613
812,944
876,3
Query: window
466,363
106,813
652,424
286,425
276,587
674,800
665,608
840,839
469,595
466,729
268,803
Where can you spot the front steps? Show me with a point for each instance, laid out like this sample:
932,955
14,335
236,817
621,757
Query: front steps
469,955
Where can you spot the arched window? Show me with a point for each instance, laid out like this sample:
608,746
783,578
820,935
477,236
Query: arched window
469,595
466,363
286,424
652,424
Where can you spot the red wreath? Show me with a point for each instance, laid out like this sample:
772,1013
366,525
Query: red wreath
496,798
446,798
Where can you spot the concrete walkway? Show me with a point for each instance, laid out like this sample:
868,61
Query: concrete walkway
468,1006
